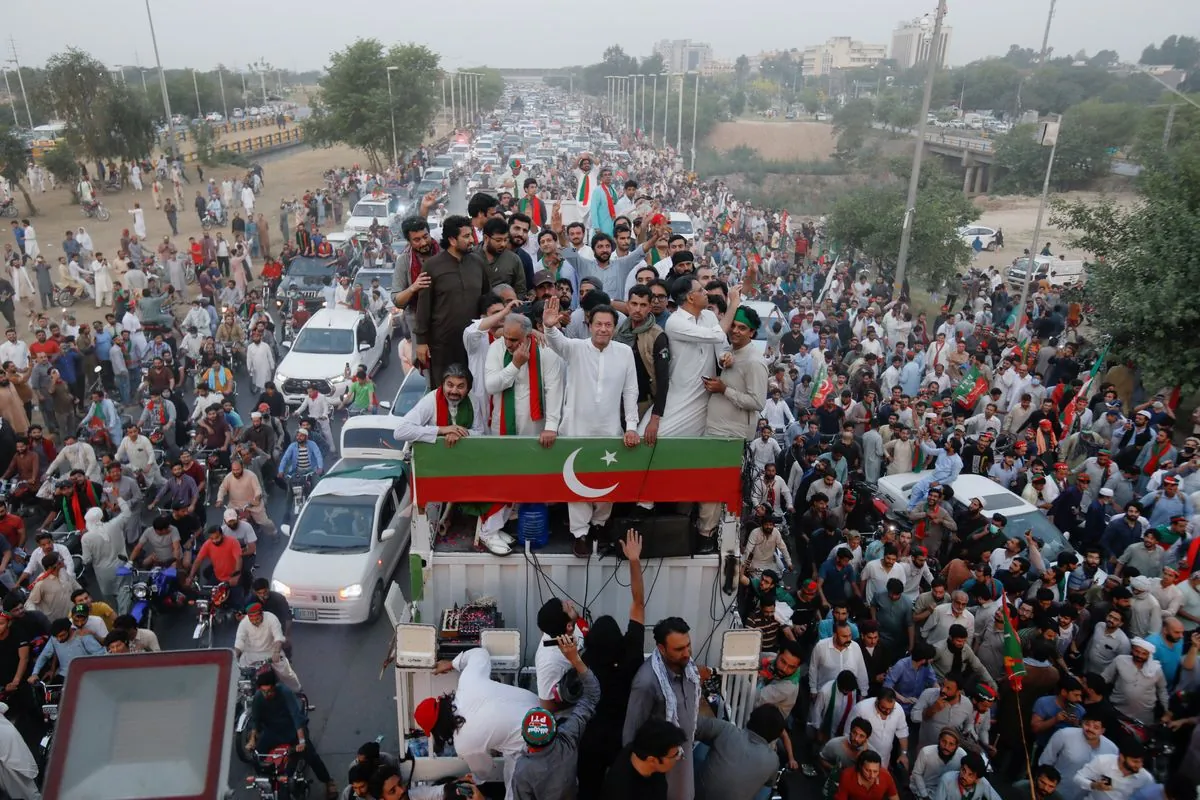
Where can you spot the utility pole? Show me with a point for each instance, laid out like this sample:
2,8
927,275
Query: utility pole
145,88
643,125
666,108
221,82
1049,133
914,179
21,80
445,111
654,110
679,123
1167,127
695,116
1046,35
162,80
196,88
11,104
453,106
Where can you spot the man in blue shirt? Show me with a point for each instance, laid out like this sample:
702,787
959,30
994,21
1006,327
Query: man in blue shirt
65,644
912,675
1057,711
1167,502
1168,648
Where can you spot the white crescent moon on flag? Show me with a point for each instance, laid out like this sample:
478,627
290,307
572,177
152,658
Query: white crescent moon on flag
575,485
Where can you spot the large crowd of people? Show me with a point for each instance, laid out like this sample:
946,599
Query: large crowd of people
928,648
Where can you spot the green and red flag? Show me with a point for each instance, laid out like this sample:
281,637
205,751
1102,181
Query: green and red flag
972,386
822,386
514,469
1068,414
1014,659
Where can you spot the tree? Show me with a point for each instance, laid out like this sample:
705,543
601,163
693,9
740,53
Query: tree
491,87
353,107
1091,133
1147,266
869,220
737,103
13,163
851,124
741,70
1181,52
62,162
125,124
1105,59
77,82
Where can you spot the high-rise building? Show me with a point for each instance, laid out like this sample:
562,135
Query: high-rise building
683,55
841,52
911,47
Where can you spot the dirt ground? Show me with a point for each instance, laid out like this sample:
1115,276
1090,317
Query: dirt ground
778,140
286,175
1017,216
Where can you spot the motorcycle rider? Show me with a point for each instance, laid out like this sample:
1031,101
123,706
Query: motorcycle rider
215,433
278,719
102,543
117,487
137,452
159,413
205,397
264,445
260,638
243,489
161,545
320,408
301,456
73,455
33,565
217,377
102,413
72,498
224,555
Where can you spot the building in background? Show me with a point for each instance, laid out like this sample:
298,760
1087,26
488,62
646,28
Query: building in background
841,52
683,55
910,47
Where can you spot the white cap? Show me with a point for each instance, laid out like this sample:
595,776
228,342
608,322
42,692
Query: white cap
1138,641
230,515
1106,492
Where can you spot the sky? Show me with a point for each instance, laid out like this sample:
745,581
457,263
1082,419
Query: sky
299,34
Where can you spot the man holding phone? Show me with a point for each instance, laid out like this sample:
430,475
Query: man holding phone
1119,777
1052,713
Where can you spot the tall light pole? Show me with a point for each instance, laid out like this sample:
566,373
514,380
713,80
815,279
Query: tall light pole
145,88
666,108
453,107
1046,35
445,110
695,116
654,110
162,81
392,109
21,81
679,123
914,179
642,127
1048,134
608,79
11,104
196,87
221,82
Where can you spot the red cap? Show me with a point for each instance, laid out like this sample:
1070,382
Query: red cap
426,714
1047,424
1062,465
810,586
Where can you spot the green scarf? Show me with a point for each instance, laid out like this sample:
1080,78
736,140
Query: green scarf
627,334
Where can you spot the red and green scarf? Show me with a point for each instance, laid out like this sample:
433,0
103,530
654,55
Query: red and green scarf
414,262
464,415
535,209
508,399
1155,456
611,198
585,187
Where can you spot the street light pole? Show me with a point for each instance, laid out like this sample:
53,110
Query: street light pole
221,82
11,104
21,83
653,110
162,81
196,88
145,88
914,179
453,106
666,108
695,116
1050,131
392,109
679,122
445,111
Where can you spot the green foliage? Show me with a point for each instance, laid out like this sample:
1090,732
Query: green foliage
1181,52
491,87
354,107
205,142
869,220
1148,265
737,103
63,163
1090,133
851,124
746,160
1151,123
105,118
14,162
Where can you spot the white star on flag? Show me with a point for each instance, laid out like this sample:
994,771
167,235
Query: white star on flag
609,458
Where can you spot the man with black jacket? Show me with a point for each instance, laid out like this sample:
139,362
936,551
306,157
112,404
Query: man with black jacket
652,357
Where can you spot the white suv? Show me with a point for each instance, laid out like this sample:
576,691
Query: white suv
332,340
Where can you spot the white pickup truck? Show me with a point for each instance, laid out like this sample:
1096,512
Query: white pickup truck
1060,271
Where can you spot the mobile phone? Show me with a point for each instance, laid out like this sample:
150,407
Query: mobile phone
706,377
550,643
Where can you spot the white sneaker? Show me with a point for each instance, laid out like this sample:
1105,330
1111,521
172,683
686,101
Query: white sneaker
496,545
506,537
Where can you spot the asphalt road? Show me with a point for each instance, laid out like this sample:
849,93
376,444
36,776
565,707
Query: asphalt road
338,666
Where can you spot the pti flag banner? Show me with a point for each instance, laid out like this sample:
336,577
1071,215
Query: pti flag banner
1068,414
514,469
1014,659
822,387
972,386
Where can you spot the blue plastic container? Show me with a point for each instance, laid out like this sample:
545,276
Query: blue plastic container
533,525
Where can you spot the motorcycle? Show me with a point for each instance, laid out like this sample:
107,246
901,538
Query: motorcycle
299,487
246,688
1156,739
64,296
280,775
49,696
95,209
212,220
149,588
8,208
212,611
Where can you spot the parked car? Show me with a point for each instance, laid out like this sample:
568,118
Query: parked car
986,235
1060,272
682,224
352,534
333,341
384,210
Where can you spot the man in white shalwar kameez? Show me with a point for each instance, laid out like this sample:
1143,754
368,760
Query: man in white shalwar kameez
260,362
697,338
515,365
139,221
248,200
601,386
477,339
18,768
586,178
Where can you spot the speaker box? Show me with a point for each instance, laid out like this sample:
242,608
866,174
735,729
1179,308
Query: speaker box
663,535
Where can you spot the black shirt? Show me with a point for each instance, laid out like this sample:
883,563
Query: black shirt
626,783
10,657
616,680
277,605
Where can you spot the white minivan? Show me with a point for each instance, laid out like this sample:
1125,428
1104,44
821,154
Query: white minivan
352,533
